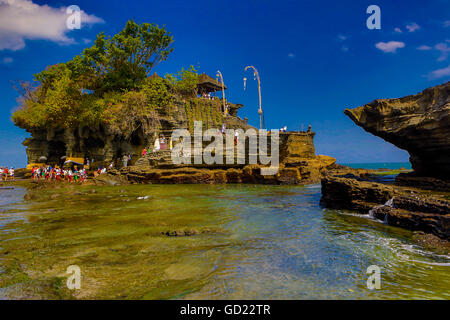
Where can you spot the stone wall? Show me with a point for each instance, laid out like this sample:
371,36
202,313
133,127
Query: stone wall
294,147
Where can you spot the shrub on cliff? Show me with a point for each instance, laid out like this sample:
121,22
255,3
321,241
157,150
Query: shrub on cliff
130,113
184,82
57,102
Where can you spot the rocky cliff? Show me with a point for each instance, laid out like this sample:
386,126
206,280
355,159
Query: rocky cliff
298,165
419,124
400,206
103,145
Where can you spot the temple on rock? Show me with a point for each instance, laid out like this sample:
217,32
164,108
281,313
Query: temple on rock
101,144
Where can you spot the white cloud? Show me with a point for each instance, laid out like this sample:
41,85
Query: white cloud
424,48
412,27
439,73
444,50
341,37
398,30
291,55
22,20
7,60
390,46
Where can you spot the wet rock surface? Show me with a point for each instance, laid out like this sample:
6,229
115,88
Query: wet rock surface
426,183
298,165
409,208
305,171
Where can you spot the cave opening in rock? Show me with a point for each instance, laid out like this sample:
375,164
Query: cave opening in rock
136,139
56,150
94,143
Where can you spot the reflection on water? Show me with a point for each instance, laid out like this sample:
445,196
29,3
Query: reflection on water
249,241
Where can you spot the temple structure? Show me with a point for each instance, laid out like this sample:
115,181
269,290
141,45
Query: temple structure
100,144
207,85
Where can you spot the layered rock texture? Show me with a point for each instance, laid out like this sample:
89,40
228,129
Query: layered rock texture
419,124
102,145
298,165
404,207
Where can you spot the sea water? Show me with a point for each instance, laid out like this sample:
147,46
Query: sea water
380,165
245,242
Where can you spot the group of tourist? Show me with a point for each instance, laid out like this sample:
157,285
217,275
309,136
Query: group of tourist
58,174
6,173
207,96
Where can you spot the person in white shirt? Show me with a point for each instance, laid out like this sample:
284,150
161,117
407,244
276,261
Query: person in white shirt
11,173
157,145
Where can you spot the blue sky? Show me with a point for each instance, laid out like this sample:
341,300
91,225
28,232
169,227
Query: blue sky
315,58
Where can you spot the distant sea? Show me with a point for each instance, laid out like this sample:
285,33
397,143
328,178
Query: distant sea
379,165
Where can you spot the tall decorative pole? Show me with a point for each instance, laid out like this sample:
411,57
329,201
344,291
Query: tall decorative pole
256,76
225,109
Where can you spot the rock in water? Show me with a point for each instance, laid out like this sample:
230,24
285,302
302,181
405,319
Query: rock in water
419,124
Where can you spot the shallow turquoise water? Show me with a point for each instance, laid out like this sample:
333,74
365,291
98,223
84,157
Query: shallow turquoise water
380,165
275,242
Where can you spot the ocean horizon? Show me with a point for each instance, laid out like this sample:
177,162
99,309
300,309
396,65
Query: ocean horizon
379,165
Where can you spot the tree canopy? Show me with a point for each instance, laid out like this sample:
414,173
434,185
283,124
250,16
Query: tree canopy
107,83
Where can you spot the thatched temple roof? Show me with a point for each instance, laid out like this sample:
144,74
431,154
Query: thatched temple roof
209,84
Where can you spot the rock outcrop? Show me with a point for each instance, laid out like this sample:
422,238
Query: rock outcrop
398,206
298,165
419,124
102,145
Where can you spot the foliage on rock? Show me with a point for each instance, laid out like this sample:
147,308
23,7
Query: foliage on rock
108,84
185,82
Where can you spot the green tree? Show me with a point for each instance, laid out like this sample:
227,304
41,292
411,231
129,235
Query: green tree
126,59
185,81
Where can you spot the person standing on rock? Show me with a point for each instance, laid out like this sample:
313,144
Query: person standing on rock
157,145
125,160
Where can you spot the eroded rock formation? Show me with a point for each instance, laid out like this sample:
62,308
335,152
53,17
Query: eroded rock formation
103,145
408,208
298,165
419,124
